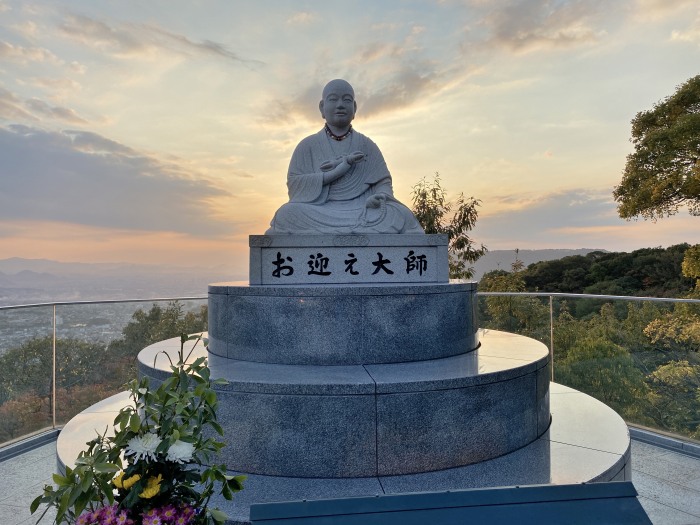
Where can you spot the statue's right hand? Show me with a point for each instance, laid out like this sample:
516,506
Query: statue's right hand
338,168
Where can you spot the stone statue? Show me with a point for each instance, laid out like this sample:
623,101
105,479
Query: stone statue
338,181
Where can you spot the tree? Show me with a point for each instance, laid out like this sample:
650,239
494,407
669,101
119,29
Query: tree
524,315
431,208
677,391
663,173
157,324
691,264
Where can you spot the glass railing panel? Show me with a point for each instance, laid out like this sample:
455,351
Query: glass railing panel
97,346
519,314
26,357
640,357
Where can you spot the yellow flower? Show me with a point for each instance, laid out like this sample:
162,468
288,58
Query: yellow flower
127,483
152,487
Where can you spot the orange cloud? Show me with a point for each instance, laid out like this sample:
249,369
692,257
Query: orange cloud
70,242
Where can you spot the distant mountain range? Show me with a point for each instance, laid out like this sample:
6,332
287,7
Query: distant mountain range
29,281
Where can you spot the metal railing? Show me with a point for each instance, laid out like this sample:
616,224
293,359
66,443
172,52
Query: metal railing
547,334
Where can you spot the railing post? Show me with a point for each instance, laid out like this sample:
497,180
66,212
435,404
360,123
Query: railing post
551,334
53,373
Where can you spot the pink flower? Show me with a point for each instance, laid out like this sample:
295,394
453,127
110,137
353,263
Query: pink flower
152,520
84,519
123,519
108,515
168,513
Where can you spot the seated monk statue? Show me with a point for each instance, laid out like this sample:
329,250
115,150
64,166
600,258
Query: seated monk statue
338,181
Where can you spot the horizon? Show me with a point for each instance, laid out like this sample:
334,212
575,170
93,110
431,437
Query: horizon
161,133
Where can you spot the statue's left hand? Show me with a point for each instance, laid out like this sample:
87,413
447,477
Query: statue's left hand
375,201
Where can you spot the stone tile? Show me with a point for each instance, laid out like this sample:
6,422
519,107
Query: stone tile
309,436
571,464
309,330
266,489
465,370
667,493
581,422
507,345
642,450
422,431
681,469
291,379
529,465
544,415
661,514
418,326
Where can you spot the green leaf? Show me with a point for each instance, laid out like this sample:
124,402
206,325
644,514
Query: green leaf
219,517
62,506
217,427
60,480
86,482
106,468
35,504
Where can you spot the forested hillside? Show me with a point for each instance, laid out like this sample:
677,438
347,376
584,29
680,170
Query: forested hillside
654,272
640,357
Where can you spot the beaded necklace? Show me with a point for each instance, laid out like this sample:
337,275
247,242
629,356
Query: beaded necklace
338,137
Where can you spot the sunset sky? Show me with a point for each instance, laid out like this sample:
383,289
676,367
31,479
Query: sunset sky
161,131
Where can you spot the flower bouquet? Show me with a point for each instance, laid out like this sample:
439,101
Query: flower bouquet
154,469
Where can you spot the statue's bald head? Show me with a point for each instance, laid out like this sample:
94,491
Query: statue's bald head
337,85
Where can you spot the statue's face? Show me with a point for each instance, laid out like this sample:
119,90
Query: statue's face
338,105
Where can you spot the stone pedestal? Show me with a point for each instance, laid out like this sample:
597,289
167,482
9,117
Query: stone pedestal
355,367
348,421
342,324
348,259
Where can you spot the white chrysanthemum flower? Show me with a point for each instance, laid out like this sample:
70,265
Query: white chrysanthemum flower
180,452
143,447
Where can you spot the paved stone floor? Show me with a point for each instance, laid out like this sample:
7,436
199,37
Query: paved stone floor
668,484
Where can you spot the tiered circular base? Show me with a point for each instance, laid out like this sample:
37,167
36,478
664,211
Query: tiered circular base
478,419
381,419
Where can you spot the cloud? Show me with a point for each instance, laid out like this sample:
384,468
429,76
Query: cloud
691,34
83,178
57,85
543,219
656,9
89,142
578,218
522,26
11,107
302,18
141,40
24,55
54,112
403,88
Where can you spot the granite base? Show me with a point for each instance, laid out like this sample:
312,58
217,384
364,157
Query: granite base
586,442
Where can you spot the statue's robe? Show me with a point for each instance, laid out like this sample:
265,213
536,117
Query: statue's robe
340,207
